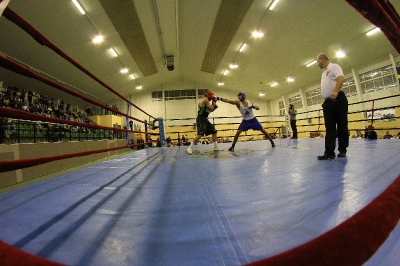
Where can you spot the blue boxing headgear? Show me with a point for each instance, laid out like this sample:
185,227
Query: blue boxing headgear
243,95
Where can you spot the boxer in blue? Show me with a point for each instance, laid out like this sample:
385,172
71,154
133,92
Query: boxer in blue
249,119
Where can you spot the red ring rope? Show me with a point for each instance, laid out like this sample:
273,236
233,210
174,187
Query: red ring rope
20,69
41,39
11,165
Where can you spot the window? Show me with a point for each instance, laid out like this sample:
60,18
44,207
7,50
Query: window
190,94
169,95
378,79
180,95
349,87
156,96
314,97
296,101
281,108
201,92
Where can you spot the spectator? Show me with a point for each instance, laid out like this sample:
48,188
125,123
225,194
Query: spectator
158,142
371,134
168,141
358,135
388,135
88,110
68,108
292,113
15,91
2,104
30,97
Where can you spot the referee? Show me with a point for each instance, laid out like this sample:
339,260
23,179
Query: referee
335,108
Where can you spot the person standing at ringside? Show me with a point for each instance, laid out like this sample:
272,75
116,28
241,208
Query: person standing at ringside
292,114
204,127
249,119
335,108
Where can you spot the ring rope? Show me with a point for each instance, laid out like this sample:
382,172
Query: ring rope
41,39
18,114
11,165
20,69
48,75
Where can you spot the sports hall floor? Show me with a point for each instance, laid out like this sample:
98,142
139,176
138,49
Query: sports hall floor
160,206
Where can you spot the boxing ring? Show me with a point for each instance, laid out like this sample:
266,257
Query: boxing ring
258,205
162,207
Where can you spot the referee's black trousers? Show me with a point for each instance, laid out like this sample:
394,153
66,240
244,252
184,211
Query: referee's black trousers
336,124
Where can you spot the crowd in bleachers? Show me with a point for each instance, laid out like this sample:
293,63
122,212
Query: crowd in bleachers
41,104
45,105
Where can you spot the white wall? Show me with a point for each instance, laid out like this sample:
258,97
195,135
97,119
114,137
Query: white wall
362,97
177,109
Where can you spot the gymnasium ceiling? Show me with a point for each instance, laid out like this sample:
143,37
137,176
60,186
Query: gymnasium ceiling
203,36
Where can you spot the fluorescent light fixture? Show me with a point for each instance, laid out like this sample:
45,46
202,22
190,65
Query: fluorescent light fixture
139,87
262,94
233,65
311,63
273,4
78,6
242,47
225,72
340,54
132,76
257,34
274,84
221,83
124,70
374,30
98,39
290,79
112,51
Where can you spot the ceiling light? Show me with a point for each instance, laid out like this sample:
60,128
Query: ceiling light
124,70
98,39
221,83
340,54
225,72
311,63
78,6
242,47
374,30
290,79
257,34
233,65
112,51
274,84
132,76
138,87
273,4
262,94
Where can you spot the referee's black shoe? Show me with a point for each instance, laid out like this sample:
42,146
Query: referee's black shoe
326,157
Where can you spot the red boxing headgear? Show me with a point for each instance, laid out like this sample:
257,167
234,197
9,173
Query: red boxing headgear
210,95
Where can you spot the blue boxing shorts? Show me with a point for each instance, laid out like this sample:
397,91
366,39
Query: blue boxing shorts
250,124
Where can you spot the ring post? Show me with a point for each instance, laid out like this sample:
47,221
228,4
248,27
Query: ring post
161,130
127,125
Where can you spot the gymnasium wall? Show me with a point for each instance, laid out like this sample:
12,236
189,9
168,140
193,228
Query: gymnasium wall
307,116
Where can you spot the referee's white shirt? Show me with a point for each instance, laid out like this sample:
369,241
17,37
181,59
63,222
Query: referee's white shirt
329,79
